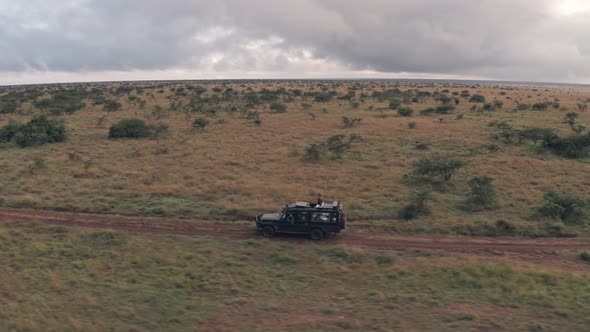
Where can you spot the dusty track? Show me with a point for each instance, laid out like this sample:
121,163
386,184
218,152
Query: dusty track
241,231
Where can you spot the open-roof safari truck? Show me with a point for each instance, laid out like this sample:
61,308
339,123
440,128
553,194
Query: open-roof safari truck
305,218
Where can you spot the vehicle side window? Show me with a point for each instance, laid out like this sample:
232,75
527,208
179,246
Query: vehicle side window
303,216
290,216
325,217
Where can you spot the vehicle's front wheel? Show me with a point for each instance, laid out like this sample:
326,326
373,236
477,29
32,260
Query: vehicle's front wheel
268,231
316,234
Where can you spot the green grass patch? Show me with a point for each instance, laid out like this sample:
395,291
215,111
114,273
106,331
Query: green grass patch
57,278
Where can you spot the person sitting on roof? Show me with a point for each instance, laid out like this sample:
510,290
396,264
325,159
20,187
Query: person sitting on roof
320,201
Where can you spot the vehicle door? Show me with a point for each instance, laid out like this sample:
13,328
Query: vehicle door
287,222
302,222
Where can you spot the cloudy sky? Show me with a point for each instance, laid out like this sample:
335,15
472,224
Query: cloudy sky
87,40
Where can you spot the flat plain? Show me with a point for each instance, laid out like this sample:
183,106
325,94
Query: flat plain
228,150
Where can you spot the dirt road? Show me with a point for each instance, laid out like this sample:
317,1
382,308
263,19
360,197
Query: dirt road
245,231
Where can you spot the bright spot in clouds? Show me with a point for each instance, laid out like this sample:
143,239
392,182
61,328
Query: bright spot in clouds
572,7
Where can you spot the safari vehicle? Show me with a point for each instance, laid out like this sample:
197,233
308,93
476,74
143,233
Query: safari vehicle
305,218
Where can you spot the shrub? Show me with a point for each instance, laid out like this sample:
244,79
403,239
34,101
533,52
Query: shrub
540,106
338,146
350,122
112,105
8,106
535,134
523,107
130,128
159,130
200,123
482,195
405,111
61,102
40,130
8,131
428,111
394,104
306,106
313,152
503,228
585,256
445,109
444,167
443,98
37,166
477,98
570,120
572,146
278,107
417,206
566,207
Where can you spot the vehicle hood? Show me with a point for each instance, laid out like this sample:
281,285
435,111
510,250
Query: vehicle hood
270,216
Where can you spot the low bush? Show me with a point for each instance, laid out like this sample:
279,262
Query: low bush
535,135
394,104
540,106
523,107
313,152
444,167
445,109
8,131
350,122
417,206
200,123
405,111
278,107
576,146
61,102
130,128
482,195
335,146
428,111
8,106
477,99
111,105
569,208
40,130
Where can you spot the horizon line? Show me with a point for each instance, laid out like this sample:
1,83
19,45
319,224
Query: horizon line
417,80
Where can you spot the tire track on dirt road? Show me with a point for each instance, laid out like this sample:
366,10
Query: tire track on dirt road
170,226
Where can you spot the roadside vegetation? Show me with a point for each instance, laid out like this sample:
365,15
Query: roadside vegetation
486,155
103,280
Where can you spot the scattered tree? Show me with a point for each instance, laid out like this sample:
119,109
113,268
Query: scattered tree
444,167
477,98
566,207
482,195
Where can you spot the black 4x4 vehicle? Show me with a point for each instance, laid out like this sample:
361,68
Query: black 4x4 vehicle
303,217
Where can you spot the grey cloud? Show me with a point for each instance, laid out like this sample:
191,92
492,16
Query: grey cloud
515,40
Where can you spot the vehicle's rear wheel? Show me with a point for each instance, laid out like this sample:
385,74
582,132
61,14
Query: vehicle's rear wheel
268,231
316,234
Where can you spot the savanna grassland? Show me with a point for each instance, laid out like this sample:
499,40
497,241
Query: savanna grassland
244,147
66,279
467,159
